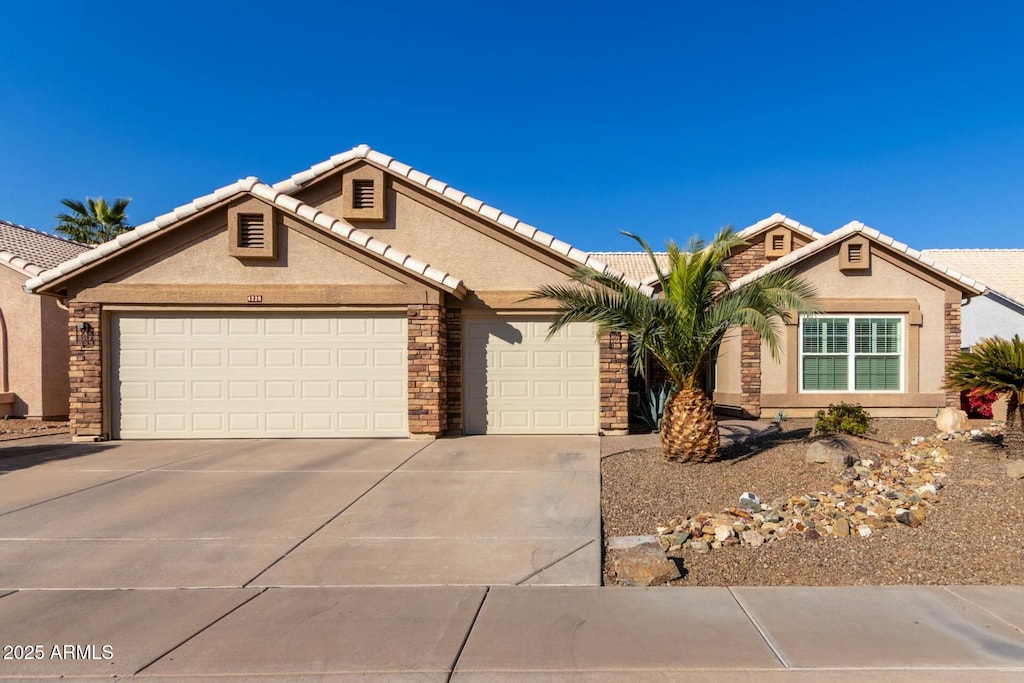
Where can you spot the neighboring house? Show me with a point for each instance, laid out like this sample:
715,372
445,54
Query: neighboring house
358,298
889,323
33,330
1000,312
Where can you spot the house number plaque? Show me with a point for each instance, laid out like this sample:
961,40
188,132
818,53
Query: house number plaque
255,298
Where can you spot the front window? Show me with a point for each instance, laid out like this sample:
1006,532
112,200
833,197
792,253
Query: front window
851,353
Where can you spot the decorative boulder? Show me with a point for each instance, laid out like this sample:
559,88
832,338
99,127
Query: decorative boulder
1015,469
952,420
832,449
645,565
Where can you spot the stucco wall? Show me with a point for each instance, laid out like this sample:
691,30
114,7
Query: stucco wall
990,316
888,279
300,260
36,350
482,262
727,386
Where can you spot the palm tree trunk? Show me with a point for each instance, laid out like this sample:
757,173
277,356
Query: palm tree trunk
689,430
1013,431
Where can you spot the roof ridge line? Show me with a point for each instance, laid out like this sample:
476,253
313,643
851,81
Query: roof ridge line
506,220
255,186
851,228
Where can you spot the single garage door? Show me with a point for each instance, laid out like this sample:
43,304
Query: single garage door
199,376
516,381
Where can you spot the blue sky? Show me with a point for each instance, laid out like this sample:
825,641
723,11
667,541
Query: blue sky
584,118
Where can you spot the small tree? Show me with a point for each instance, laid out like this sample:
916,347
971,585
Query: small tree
995,365
684,328
93,221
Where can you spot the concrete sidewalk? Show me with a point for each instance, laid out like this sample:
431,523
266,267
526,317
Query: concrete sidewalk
524,633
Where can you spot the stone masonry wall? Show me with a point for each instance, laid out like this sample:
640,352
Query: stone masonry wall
738,265
453,404
614,382
428,361
85,370
953,341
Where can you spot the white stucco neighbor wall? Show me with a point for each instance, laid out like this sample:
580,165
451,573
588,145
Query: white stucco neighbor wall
990,316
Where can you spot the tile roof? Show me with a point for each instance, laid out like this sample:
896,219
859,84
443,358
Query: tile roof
1001,269
30,252
255,187
507,221
854,228
632,264
637,264
779,219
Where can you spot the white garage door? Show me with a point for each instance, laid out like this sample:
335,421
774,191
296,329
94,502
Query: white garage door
182,376
518,382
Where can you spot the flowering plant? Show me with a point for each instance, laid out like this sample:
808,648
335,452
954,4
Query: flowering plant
977,404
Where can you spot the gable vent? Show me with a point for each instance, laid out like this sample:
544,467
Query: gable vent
362,194
855,253
251,231
778,242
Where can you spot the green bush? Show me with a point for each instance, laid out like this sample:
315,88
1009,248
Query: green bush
843,418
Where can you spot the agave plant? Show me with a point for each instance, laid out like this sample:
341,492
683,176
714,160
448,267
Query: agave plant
650,406
683,328
995,365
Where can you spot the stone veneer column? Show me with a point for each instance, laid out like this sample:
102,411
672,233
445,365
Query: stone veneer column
453,404
85,370
747,261
428,360
614,383
952,335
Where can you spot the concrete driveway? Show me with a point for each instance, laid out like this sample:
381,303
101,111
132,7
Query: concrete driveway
241,514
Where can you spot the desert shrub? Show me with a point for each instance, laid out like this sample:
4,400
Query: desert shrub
650,405
843,418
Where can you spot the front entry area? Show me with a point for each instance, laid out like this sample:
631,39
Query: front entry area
246,375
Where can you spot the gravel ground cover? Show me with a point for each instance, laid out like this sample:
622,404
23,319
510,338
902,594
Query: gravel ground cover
973,535
20,429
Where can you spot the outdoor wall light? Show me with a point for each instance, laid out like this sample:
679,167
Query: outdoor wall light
84,334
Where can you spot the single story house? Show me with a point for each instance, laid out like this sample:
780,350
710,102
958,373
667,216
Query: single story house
33,330
365,298
358,298
889,323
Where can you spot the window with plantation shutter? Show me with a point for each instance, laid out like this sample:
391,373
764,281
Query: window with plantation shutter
851,353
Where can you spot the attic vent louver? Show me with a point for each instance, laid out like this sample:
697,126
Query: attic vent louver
362,194
855,253
251,231
778,242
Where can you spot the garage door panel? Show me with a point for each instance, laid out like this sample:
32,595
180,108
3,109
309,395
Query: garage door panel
519,382
252,376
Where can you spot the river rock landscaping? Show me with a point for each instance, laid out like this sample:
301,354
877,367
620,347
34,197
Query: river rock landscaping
906,506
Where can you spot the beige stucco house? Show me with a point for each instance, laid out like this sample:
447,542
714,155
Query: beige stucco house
358,298
33,330
889,322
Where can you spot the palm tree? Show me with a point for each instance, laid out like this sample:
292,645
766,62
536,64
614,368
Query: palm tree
683,329
93,221
995,365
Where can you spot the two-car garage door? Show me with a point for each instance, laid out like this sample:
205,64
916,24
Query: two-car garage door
280,375
241,375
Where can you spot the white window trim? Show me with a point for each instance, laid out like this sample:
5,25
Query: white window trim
852,355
